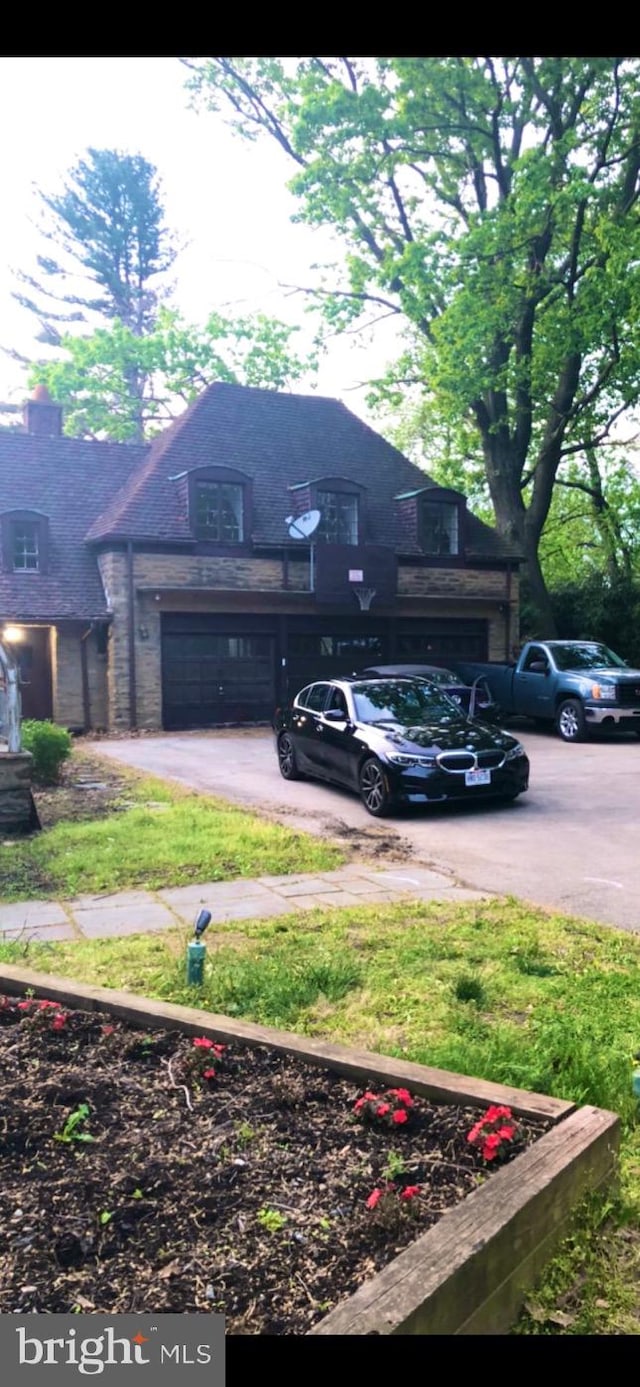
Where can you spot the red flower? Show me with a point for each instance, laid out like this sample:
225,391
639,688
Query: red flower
59,1022
409,1191
382,1109
399,1116
495,1112
403,1096
506,1133
107,1030
209,1074
219,1048
24,1006
202,1042
374,1198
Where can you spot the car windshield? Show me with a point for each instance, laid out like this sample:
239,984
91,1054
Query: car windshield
589,655
406,702
443,676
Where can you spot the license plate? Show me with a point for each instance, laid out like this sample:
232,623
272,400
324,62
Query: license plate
477,777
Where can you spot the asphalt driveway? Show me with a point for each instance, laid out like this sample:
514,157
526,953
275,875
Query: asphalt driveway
572,842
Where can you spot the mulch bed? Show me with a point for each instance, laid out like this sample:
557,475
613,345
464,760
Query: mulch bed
131,1182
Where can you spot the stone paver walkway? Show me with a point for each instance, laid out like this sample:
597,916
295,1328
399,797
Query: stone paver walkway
146,912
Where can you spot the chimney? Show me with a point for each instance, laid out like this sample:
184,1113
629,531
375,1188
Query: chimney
41,416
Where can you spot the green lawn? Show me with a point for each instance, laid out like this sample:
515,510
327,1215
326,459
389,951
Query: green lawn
499,990
168,837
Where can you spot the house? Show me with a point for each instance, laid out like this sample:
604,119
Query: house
166,585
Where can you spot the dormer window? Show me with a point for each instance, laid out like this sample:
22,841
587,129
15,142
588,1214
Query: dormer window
25,541
439,527
220,512
26,545
219,500
339,523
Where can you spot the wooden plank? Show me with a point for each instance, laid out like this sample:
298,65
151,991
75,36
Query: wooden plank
436,1084
469,1274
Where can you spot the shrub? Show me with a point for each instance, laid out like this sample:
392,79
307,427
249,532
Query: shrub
49,745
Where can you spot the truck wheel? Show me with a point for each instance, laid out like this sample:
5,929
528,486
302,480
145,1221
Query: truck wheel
570,720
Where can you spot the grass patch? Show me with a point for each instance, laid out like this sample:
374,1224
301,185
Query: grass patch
470,989
555,1008
155,835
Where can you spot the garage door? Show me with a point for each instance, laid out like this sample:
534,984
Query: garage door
213,677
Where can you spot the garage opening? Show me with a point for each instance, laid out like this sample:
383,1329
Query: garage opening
212,676
332,646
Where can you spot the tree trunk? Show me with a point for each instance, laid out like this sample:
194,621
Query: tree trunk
512,522
533,580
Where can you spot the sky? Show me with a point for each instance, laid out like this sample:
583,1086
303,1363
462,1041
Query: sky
227,201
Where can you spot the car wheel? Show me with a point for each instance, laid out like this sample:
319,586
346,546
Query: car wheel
373,788
570,720
287,758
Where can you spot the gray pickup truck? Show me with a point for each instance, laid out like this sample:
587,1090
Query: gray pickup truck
574,684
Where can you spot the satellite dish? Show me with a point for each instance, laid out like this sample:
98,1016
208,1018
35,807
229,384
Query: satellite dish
302,526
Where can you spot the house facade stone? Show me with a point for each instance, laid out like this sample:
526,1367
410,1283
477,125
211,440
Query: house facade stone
166,585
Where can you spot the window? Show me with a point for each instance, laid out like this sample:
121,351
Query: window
26,545
219,512
536,656
339,523
439,531
314,697
338,702
356,647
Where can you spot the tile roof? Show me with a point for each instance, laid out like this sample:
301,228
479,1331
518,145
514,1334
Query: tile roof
69,480
281,441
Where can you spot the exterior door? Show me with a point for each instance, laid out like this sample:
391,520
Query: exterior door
34,665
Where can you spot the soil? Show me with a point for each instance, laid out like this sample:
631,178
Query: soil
89,788
245,1192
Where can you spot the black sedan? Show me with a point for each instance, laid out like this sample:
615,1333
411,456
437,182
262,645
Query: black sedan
394,741
475,699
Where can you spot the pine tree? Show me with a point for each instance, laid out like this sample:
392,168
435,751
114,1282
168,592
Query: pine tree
106,228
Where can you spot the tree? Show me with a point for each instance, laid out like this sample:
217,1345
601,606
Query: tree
108,227
493,205
174,362
110,248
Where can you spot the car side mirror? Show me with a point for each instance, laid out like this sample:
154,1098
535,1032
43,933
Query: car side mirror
335,715
538,667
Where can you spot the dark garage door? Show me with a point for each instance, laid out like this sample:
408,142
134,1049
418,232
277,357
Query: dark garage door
212,676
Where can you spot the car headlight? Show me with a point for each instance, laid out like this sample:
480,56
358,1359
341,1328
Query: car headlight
603,691
399,758
517,750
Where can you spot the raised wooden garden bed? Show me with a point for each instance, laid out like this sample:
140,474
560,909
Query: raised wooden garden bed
142,1169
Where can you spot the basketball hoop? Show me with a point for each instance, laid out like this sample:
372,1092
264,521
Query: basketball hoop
365,596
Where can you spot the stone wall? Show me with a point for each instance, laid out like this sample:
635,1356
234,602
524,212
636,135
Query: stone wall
443,582
66,676
113,571
17,814
210,578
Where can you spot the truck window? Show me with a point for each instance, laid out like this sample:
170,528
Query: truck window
535,656
585,655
